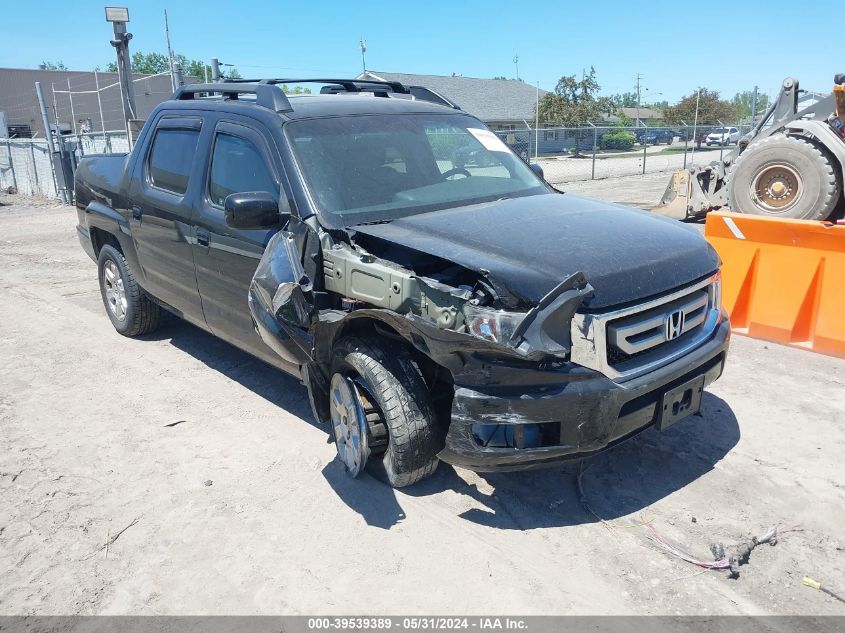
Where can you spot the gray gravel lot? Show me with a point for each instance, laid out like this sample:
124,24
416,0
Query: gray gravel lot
104,438
568,169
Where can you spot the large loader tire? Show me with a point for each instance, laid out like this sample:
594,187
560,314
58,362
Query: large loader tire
785,177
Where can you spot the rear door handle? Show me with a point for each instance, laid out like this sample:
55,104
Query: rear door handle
202,237
136,213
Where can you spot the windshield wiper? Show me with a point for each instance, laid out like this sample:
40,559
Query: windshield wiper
371,222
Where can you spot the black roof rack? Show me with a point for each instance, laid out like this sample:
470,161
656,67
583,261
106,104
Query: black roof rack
269,95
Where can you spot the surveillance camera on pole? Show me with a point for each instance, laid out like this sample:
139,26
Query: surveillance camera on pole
119,16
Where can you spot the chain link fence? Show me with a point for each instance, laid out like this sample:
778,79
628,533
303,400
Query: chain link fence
566,154
27,168
570,154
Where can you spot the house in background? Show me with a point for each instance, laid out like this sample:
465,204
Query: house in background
646,116
502,104
506,106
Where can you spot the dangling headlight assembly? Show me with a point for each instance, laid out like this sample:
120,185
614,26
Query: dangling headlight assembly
492,325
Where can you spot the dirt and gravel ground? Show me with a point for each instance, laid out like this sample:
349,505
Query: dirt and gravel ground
177,475
642,191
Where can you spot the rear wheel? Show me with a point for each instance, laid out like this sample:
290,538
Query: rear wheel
382,412
784,176
131,312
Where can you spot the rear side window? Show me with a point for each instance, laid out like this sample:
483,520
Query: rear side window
171,158
238,166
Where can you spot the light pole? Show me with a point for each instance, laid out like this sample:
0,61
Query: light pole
363,45
119,16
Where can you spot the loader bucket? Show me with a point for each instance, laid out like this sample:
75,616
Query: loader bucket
675,200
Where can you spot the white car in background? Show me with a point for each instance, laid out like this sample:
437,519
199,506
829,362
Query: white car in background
723,136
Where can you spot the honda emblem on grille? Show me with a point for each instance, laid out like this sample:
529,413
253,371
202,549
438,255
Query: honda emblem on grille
674,325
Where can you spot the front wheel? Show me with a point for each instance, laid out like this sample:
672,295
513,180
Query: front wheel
130,310
380,403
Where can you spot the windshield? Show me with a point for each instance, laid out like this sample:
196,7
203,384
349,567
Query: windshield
382,167
720,130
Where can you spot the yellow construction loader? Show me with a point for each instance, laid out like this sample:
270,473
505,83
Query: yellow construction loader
790,165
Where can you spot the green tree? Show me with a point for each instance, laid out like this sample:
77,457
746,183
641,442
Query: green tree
144,63
711,108
44,65
154,63
625,100
296,90
575,101
743,102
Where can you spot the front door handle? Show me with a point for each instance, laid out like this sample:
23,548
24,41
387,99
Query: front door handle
202,238
136,213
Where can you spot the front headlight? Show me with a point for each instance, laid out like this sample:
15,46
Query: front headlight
492,325
714,291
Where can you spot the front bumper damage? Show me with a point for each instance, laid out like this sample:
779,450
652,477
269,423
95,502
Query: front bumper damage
546,393
545,417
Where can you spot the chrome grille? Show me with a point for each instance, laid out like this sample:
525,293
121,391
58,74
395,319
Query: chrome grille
673,322
631,341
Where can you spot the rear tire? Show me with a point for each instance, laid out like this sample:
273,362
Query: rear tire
129,309
785,177
388,374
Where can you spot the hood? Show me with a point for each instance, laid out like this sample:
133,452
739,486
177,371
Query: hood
529,245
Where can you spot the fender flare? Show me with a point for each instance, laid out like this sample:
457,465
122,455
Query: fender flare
825,136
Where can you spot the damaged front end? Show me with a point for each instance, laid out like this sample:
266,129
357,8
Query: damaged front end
515,398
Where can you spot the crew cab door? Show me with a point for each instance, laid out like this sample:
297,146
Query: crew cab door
240,159
166,178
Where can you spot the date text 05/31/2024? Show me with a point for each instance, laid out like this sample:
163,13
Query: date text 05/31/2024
416,623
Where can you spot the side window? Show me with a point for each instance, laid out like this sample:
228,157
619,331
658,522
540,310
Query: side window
236,166
171,158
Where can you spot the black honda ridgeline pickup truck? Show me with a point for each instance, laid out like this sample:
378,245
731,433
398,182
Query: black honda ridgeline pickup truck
468,313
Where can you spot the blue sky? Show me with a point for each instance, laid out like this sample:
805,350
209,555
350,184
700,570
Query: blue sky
676,46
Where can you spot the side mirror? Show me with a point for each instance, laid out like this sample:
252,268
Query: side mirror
252,210
535,167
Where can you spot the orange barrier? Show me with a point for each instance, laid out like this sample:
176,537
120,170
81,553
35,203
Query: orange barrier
783,280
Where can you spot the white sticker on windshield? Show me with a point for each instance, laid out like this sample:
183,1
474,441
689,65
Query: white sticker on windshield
488,139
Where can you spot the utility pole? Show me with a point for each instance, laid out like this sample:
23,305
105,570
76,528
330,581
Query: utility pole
637,122
516,63
754,107
173,79
119,16
363,45
537,124
215,70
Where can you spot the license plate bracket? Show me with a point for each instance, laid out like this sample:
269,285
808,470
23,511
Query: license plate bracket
680,402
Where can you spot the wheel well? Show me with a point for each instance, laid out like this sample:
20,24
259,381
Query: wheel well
437,378
101,237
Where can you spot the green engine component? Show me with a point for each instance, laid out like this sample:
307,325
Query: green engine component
387,285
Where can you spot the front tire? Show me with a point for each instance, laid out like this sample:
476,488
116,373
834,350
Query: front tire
129,309
786,177
397,405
